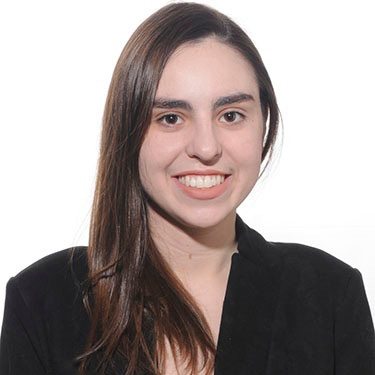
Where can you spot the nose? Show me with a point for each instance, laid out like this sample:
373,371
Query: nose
204,142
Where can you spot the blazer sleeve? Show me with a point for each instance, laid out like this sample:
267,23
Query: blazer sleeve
354,331
20,349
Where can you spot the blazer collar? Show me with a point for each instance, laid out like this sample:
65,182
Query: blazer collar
249,305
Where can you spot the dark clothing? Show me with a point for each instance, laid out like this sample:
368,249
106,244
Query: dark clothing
288,309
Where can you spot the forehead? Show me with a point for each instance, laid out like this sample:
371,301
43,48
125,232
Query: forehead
207,69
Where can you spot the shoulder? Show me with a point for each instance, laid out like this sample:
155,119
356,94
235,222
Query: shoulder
56,265
308,259
45,322
293,256
58,275
311,274
311,277
296,266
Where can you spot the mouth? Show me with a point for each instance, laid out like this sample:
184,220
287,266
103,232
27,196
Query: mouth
202,181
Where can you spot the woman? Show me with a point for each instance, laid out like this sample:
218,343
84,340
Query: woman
173,281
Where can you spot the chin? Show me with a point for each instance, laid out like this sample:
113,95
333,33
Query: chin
203,219
192,217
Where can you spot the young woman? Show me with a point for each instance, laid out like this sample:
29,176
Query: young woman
173,281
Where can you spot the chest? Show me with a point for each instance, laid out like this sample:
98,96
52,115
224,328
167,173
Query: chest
210,303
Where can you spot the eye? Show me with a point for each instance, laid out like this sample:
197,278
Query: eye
170,119
232,117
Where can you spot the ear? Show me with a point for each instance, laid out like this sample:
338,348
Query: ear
265,126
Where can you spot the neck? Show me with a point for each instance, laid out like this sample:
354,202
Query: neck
195,255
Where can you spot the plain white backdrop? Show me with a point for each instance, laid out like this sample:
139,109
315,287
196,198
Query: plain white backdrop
57,59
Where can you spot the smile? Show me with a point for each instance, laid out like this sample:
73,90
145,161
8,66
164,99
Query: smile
202,182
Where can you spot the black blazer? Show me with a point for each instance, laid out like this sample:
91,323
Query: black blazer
288,309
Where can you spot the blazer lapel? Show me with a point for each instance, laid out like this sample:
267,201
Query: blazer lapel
249,305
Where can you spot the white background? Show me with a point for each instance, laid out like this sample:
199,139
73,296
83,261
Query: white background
57,59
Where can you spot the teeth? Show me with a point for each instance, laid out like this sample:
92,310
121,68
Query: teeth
202,182
207,181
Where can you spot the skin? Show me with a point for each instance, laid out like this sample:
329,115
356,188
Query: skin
197,236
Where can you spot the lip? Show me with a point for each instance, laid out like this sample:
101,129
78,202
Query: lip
204,194
204,172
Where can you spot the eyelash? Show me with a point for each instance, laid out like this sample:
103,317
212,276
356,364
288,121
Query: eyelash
239,114
162,118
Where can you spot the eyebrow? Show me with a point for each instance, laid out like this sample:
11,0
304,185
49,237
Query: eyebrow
223,100
172,103
231,99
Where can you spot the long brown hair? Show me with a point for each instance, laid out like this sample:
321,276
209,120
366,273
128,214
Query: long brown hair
132,296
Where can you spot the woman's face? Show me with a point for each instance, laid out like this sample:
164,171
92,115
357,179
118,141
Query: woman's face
202,153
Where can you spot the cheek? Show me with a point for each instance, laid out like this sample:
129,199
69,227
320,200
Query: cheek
247,150
145,162
143,171
155,156
249,160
